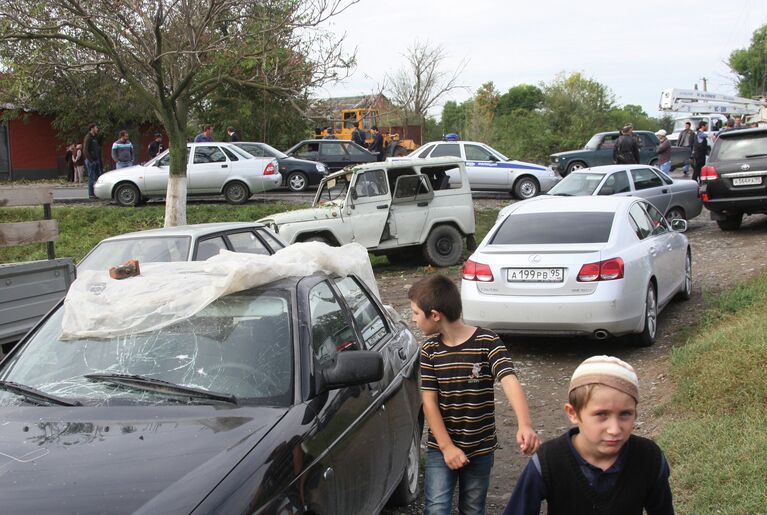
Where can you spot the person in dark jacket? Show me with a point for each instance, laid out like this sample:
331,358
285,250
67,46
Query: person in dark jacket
155,147
626,150
92,151
233,134
377,145
686,139
663,151
358,136
699,150
598,466
69,160
330,134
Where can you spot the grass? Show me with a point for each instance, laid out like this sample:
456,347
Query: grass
717,442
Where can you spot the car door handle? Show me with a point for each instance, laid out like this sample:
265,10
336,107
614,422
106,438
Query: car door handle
664,190
328,474
224,166
652,251
382,206
402,353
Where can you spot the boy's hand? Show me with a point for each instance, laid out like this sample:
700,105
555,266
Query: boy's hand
528,440
454,457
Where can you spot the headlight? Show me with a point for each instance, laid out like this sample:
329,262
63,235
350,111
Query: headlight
320,167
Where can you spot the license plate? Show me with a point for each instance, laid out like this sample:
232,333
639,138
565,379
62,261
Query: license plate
747,181
535,275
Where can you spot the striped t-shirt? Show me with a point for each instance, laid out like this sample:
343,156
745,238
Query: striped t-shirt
463,377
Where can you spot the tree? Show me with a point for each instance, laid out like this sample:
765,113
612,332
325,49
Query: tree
454,117
750,65
418,86
522,96
173,54
482,112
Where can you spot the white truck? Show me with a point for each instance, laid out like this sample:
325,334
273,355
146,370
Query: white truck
695,106
399,209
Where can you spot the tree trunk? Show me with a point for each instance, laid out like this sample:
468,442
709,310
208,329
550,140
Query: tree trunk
175,201
175,198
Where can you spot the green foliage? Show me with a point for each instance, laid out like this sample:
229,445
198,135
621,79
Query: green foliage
454,117
716,442
432,129
750,64
522,96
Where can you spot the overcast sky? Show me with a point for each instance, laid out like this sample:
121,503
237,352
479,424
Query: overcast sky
637,49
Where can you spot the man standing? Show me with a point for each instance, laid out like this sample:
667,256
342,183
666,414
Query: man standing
233,134
626,150
663,151
699,150
156,146
206,136
330,134
358,136
122,151
376,146
739,123
686,139
92,151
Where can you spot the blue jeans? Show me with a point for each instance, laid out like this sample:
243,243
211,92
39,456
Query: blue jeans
121,164
94,170
439,483
665,167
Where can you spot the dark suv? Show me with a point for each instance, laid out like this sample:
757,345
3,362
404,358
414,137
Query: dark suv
734,182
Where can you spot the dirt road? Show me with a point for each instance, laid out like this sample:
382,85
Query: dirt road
720,260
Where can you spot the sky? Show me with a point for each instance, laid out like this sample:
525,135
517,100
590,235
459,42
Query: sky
636,49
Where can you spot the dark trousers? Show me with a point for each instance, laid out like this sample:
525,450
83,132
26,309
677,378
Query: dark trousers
697,166
94,170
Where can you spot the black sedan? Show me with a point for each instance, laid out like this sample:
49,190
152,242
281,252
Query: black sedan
297,174
300,396
335,154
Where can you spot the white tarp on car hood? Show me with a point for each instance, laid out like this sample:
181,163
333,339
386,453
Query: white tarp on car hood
98,306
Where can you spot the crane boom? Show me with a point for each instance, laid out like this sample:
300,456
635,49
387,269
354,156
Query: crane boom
695,101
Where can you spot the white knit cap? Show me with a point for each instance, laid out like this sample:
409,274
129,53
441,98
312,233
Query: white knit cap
609,371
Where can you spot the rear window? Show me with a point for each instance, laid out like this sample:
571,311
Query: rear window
744,147
548,228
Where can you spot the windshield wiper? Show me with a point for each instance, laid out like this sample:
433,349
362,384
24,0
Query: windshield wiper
36,395
158,385
756,155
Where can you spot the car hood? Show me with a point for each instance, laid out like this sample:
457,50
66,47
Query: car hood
123,173
571,153
126,460
302,215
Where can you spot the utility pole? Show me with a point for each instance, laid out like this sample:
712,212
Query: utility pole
704,79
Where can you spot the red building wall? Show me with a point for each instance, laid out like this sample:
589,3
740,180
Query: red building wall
33,147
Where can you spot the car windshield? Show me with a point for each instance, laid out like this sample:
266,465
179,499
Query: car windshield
146,250
593,143
679,124
332,191
577,184
742,147
273,151
553,228
240,152
240,346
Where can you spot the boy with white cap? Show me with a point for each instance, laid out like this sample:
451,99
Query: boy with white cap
598,466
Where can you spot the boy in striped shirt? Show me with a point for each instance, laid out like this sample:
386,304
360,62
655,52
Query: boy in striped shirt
459,365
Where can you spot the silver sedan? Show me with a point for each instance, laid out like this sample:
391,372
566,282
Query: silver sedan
212,169
676,198
579,266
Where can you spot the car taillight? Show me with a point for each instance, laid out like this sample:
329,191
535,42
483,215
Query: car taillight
269,170
607,270
708,173
473,271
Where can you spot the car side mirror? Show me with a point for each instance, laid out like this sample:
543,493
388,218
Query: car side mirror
493,158
679,225
354,194
353,367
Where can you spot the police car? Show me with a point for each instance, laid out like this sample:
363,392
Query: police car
488,169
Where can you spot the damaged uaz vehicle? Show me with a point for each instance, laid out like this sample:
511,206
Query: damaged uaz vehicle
241,384
408,210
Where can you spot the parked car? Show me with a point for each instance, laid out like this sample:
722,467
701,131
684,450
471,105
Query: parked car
297,174
577,266
599,151
335,154
182,243
734,182
488,169
212,169
399,209
299,396
677,198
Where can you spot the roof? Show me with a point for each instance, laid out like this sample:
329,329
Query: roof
192,230
550,204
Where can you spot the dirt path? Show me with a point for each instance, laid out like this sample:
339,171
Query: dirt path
720,260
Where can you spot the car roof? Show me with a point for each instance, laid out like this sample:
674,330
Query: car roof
188,230
754,131
457,141
399,163
617,132
609,168
585,204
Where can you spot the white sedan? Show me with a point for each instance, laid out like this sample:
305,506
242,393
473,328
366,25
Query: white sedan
577,266
488,169
212,169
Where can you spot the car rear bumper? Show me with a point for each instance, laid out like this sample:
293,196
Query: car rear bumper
609,308
738,205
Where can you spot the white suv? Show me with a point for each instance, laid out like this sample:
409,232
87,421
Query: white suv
392,208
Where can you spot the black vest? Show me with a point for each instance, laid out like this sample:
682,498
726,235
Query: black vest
570,493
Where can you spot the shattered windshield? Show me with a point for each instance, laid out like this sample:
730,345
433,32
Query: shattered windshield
146,250
332,191
240,346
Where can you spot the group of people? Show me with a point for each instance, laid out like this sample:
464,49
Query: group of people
358,136
596,466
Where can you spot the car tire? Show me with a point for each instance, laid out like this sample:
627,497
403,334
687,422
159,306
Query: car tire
575,165
526,187
731,222
297,181
676,213
407,489
127,195
236,193
647,336
686,292
444,246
